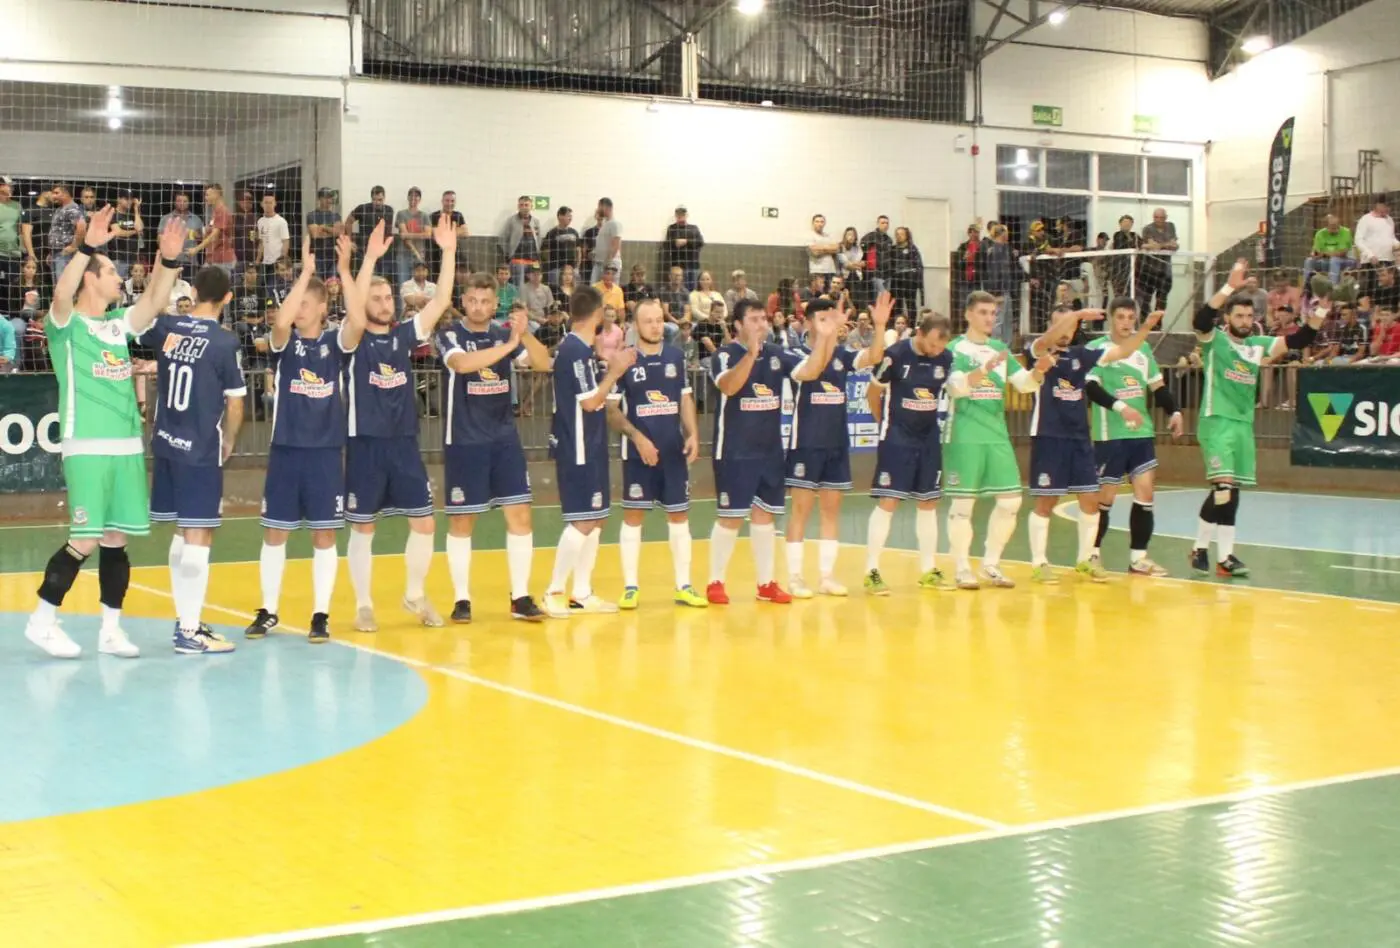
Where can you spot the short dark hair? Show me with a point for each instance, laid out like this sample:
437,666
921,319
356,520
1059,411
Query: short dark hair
524,197
584,303
377,189
935,322
1123,302
817,306
480,281
1239,299
565,210
741,309
181,194
605,202
210,285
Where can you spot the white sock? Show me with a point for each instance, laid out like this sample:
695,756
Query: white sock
324,565
177,550
46,612
194,582
1088,533
926,529
1000,525
272,561
827,551
629,541
359,558
417,559
571,543
1038,526
111,619
459,566
1204,532
679,536
583,569
960,533
1224,542
722,542
761,537
877,534
796,552
520,557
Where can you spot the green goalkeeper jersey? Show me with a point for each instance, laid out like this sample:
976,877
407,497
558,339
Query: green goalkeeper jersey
1128,381
980,416
1231,368
97,407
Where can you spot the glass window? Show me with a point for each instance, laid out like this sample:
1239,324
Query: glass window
1018,166
1120,173
1067,169
1169,176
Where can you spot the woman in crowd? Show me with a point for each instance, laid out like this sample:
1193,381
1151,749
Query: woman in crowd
907,283
851,261
565,290
783,299
704,296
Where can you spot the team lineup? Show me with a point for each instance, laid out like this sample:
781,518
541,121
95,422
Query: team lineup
344,445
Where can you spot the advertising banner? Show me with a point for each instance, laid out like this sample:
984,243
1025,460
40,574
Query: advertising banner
29,448
860,424
1347,417
1280,161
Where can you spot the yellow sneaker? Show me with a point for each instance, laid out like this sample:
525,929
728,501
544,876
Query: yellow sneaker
687,596
631,598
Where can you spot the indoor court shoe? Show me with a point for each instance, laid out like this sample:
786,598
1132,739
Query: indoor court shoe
1321,286
830,587
799,589
966,580
1044,575
1146,567
1232,567
556,606
523,608
631,598
263,623
50,637
203,641
716,595
365,621
592,606
934,579
875,584
1092,570
772,592
113,641
320,629
1200,561
687,596
994,576
423,609
462,611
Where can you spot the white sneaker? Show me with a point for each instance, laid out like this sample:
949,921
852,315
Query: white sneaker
965,580
830,587
365,621
593,605
799,588
113,641
424,610
556,605
994,575
50,637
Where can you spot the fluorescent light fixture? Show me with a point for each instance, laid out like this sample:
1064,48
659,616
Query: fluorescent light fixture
1057,16
1023,174
750,7
1023,156
114,91
114,123
114,106
1256,45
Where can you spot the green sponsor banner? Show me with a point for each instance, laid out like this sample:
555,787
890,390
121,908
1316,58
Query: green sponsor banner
29,448
1347,417
1047,115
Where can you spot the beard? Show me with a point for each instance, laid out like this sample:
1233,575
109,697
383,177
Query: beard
1240,332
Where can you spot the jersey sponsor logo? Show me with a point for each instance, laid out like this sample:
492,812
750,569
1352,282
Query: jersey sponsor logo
828,394
1239,371
989,389
1066,392
922,400
388,377
179,444
113,367
488,382
172,341
1128,388
657,403
311,385
762,399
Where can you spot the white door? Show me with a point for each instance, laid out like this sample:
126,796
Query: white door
928,220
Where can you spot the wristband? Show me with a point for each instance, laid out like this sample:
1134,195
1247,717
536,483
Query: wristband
169,264
1120,406
87,249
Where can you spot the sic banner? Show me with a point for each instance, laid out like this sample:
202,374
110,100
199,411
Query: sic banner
29,448
1347,417
860,424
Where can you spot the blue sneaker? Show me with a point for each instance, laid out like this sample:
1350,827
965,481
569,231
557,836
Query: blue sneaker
202,641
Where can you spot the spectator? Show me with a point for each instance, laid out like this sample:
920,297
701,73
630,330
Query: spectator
1100,269
245,233
1065,296
551,331
252,341
449,207
134,285
821,250
274,237
184,306
1122,268
561,246
710,332
1331,251
1343,340
685,340
28,283
323,226
968,263
675,298
609,338
1375,236
863,336
520,240
816,289
506,292
217,236
280,284
419,289
878,248
194,231
837,291
1283,292
16,245
247,298
564,289
335,301
1257,296
1065,240
610,290
67,228
538,297
1385,337
850,261
705,296
1386,294
1160,236
738,290
907,280
588,246
637,289
181,290
9,347
783,299
682,248
412,229
127,227
89,203
608,250
364,218
1044,275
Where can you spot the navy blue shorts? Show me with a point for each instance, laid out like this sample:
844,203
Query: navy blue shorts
190,495
485,475
1063,466
742,483
1125,457
584,489
909,471
819,468
305,487
665,485
385,477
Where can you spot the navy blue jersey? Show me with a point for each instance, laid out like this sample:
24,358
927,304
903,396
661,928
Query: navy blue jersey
379,384
477,405
749,423
651,393
1060,411
309,411
197,365
579,436
819,407
914,392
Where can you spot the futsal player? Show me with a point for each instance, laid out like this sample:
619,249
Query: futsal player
909,459
654,408
1062,454
100,430
1125,452
199,409
580,441
978,460
384,472
1232,357
819,451
483,461
305,481
749,466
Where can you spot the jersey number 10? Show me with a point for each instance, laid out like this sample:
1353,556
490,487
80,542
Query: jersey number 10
177,393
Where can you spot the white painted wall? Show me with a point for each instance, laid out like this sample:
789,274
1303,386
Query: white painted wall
121,157
310,135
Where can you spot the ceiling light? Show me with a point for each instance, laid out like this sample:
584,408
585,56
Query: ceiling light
1057,16
1023,156
114,123
1256,45
114,91
1023,174
114,106
750,7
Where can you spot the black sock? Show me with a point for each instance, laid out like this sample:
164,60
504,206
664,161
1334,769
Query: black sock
113,575
60,574
1104,511
1140,523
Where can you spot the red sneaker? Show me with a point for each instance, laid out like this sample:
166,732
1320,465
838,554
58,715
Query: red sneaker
772,592
715,593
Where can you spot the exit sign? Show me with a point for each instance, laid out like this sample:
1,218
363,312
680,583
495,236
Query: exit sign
1047,115
770,212
541,203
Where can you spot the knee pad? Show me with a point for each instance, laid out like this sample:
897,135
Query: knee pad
113,575
1225,514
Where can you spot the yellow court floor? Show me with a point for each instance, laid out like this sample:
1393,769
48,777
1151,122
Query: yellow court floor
503,761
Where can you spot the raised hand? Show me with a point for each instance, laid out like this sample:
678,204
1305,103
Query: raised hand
100,229
621,361
378,243
172,235
308,259
1089,315
1238,274
1153,319
882,310
519,325
445,234
344,252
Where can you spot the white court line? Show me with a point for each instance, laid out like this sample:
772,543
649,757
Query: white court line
1368,569
763,873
